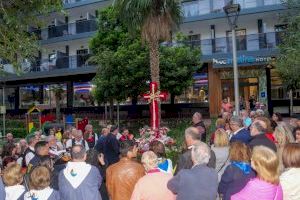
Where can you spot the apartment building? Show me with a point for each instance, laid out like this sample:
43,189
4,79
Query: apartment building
259,32
63,58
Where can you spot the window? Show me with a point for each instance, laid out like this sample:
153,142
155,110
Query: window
279,33
246,3
30,95
278,89
195,40
272,2
196,8
198,92
204,7
83,94
82,57
241,40
9,98
248,90
50,92
218,5
190,9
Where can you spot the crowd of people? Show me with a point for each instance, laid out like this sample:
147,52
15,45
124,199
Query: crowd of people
248,157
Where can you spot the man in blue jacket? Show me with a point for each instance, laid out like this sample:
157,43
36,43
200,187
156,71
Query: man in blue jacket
239,132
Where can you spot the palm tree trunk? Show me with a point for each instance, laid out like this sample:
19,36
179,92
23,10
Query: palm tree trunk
57,109
291,103
154,61
154,69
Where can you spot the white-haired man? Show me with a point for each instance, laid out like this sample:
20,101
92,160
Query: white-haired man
55,147
199,182
77,140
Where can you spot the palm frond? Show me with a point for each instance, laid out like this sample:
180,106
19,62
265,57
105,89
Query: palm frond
154,18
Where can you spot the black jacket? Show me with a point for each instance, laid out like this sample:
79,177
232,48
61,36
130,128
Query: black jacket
111,149
262,140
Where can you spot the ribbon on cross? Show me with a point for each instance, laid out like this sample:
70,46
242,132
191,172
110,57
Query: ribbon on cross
154,97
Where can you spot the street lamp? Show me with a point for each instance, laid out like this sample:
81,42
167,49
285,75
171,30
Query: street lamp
232,12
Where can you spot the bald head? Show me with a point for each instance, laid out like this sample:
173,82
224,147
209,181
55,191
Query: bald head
78,153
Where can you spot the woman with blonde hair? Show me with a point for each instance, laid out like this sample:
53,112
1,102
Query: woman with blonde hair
282,140
266,185
288,132
39,185
290,179
13,178
221,150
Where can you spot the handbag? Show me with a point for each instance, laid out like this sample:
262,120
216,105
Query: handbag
223,165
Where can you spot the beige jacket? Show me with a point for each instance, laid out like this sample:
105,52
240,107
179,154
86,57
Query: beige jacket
290,182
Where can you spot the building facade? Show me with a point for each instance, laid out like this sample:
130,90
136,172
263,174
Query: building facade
63,59
259,32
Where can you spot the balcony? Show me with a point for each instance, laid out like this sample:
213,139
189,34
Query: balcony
58,63
56,66
245,43
208,9
76,30
75,3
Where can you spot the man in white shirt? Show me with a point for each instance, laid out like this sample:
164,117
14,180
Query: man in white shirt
55,147
77,140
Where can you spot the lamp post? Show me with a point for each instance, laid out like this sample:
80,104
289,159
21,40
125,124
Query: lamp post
232,12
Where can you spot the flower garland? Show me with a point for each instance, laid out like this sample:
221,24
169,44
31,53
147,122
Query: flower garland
147,135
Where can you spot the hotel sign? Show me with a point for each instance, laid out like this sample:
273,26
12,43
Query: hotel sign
241,60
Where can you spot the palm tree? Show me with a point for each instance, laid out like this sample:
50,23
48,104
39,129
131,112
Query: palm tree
155,19
58,93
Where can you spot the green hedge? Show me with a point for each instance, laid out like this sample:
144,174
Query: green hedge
17,132
14,123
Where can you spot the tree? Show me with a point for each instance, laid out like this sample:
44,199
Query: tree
155,20
16,16
122,61
288,62
178,63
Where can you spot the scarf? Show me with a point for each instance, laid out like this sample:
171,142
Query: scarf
76,172
38,194
14,192
245,167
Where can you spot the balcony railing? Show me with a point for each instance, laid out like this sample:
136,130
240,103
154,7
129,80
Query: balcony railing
202,7
73,1
64,62
66,29
252,42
